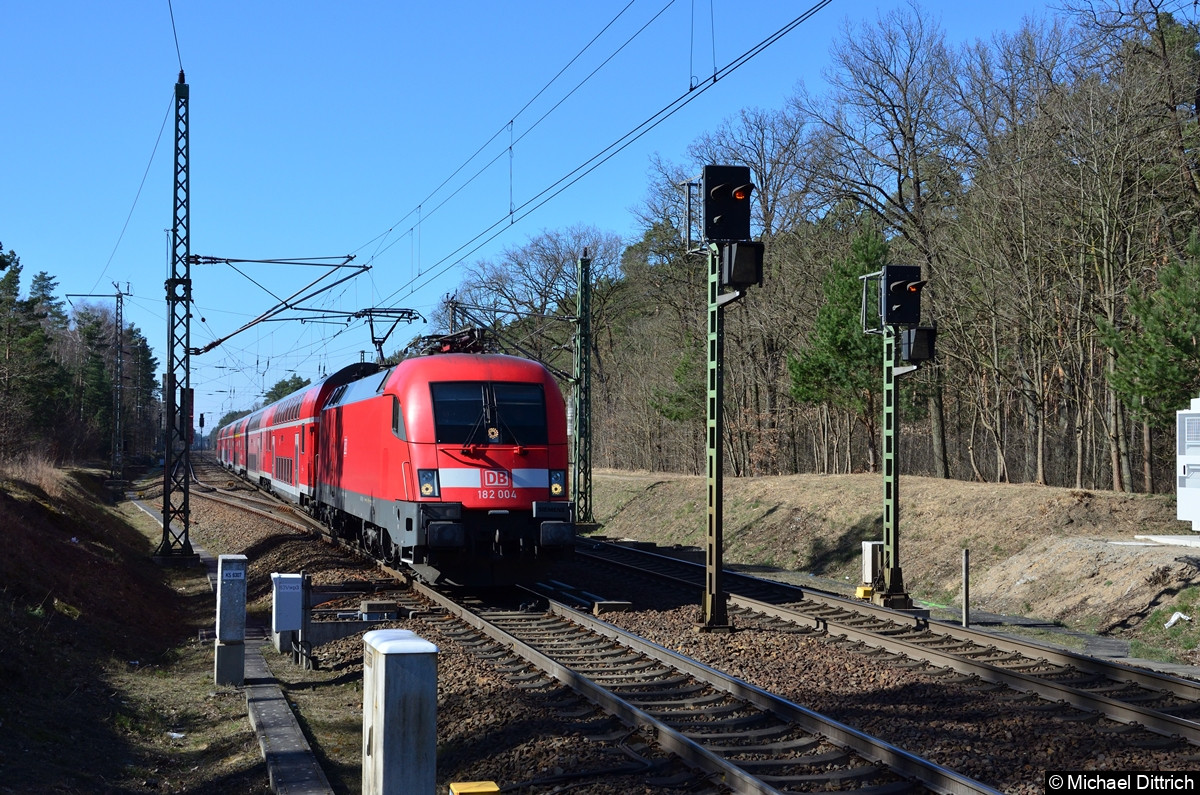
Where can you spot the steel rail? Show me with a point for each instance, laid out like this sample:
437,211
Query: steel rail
1111,669
903,763
1122,711
272,512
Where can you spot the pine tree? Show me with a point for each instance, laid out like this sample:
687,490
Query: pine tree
841,365
1158,351
32,382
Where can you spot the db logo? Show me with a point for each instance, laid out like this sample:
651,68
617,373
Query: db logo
496,477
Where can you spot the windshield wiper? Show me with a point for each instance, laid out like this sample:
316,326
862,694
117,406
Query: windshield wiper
469,441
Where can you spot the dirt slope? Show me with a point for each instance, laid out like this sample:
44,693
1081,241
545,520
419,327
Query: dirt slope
104,683
1035,551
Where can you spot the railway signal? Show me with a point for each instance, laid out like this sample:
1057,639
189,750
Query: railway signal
726,192
734,262
900,299
899,290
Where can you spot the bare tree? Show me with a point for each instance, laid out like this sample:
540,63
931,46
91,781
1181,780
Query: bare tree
888,143
1006,325
531,288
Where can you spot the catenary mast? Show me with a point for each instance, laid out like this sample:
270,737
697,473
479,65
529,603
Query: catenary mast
177,385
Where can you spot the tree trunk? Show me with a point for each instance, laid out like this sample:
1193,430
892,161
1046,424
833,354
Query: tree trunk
937,421
1147,460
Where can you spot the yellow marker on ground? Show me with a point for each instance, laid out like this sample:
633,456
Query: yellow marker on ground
473,788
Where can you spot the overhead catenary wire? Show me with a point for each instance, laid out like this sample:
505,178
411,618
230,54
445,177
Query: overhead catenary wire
503,128
419,278
175,33
548,193
420,210
692,79
138,195
423,276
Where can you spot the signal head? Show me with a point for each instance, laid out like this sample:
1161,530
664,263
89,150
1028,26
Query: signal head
726,192
900,295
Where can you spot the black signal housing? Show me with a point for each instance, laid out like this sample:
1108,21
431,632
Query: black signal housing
726,192
900,295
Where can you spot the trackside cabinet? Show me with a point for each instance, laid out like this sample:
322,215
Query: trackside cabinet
1187,464
287,602
229,651
399,755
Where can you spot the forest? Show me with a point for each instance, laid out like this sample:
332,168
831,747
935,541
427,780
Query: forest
1045,181
59,378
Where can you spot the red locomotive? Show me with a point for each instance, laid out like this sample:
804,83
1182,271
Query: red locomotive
454,464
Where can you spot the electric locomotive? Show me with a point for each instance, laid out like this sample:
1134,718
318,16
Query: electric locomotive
454,464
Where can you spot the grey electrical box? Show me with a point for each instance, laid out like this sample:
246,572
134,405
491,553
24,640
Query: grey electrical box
1187,465
287,602
231,598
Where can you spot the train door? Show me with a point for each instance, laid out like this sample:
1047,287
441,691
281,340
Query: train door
312,460
296,459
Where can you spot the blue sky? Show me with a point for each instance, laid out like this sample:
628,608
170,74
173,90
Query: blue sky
318,129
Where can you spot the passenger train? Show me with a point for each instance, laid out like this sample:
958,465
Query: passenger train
454,464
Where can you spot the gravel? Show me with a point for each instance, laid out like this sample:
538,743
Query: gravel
985,734
491,729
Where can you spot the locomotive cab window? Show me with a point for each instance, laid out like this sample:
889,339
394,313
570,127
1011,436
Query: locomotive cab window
521,412
489,413
458,413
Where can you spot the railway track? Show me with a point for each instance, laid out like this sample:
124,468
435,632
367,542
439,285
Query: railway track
252,500
744,738
752,741
1133,697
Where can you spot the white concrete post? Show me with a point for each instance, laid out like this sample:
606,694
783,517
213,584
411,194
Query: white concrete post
229,657
399,754
966,567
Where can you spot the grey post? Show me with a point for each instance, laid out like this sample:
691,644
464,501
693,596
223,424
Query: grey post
304,642
229,663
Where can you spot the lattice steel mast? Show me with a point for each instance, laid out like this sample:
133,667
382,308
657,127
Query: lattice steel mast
581,457
177,382
118,443
117,457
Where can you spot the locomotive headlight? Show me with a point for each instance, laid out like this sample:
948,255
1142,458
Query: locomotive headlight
427,479
558,482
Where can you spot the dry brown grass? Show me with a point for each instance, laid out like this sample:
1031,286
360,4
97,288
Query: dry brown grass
35,470
1036,551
